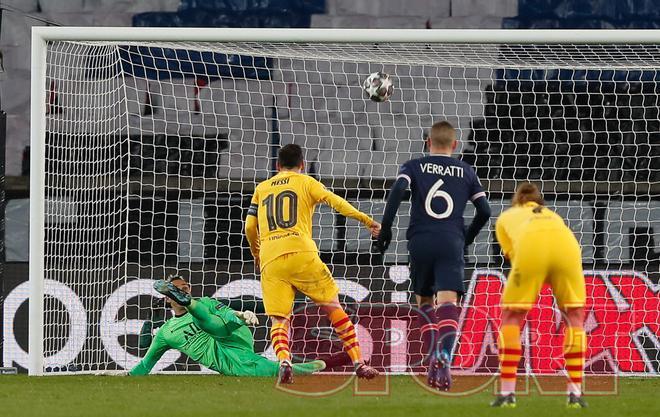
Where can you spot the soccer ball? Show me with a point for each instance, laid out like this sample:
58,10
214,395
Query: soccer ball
378,86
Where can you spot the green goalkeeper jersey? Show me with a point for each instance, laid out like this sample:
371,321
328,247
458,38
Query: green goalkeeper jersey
228,350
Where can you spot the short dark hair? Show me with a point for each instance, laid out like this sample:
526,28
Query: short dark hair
527,192
290,156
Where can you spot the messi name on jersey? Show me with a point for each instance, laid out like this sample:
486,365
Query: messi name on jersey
449,170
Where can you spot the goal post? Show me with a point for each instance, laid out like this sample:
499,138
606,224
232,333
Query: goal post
37,203
146,145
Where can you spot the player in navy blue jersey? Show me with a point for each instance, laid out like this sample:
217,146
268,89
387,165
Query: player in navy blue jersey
440,187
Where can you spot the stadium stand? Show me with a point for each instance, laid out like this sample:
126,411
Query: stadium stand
235,13
586,121
572,14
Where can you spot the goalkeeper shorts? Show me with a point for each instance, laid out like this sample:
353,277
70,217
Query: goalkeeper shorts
302,271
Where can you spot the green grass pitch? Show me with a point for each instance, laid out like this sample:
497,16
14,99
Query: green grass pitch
210,395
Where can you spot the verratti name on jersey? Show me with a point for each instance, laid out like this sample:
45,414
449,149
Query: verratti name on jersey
449,170
440,187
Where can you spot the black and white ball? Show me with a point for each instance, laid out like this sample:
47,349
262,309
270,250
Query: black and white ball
378,86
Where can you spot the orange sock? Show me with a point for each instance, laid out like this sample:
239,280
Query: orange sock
279,335
346,332
510,352
575,345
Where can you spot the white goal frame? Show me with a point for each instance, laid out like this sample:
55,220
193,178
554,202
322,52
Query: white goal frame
42,35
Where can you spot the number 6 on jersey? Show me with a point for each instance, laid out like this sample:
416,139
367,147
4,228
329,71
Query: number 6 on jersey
436,192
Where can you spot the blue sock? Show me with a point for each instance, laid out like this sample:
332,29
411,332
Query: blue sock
426,321
447,323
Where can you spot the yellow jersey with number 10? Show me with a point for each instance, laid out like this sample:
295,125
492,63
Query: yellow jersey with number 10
284,206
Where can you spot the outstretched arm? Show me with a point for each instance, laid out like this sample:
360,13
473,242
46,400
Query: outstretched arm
480,219
397,192
321,194
156,350
217,319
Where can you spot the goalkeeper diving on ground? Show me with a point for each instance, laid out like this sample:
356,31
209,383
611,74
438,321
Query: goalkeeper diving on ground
211,334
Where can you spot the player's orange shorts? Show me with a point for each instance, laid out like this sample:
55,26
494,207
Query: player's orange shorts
302,271
549,256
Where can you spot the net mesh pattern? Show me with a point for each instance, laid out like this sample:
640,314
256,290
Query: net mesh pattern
153,151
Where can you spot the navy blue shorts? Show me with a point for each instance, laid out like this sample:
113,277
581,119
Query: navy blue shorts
436,264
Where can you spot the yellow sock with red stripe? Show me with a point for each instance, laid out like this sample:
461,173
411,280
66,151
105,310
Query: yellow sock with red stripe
510,352
346,332
575,346
279,335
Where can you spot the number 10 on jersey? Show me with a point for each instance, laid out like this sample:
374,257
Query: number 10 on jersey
275,210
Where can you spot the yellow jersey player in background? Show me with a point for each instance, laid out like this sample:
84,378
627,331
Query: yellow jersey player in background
542,249
279,230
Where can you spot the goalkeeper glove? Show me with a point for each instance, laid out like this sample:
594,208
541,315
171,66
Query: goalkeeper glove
248,317
384,239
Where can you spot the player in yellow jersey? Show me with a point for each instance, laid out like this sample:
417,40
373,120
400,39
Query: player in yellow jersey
279,230
542,249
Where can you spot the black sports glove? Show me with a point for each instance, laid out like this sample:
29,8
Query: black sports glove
384,239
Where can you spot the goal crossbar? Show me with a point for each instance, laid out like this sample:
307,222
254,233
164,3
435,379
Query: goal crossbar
485,36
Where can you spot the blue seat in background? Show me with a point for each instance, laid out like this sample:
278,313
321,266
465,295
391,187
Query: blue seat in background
300,6
536,8
192,18
218,5
209,18
157,19
235,13
216,13
638,9
618,13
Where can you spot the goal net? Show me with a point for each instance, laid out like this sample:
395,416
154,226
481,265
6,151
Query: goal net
146,151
